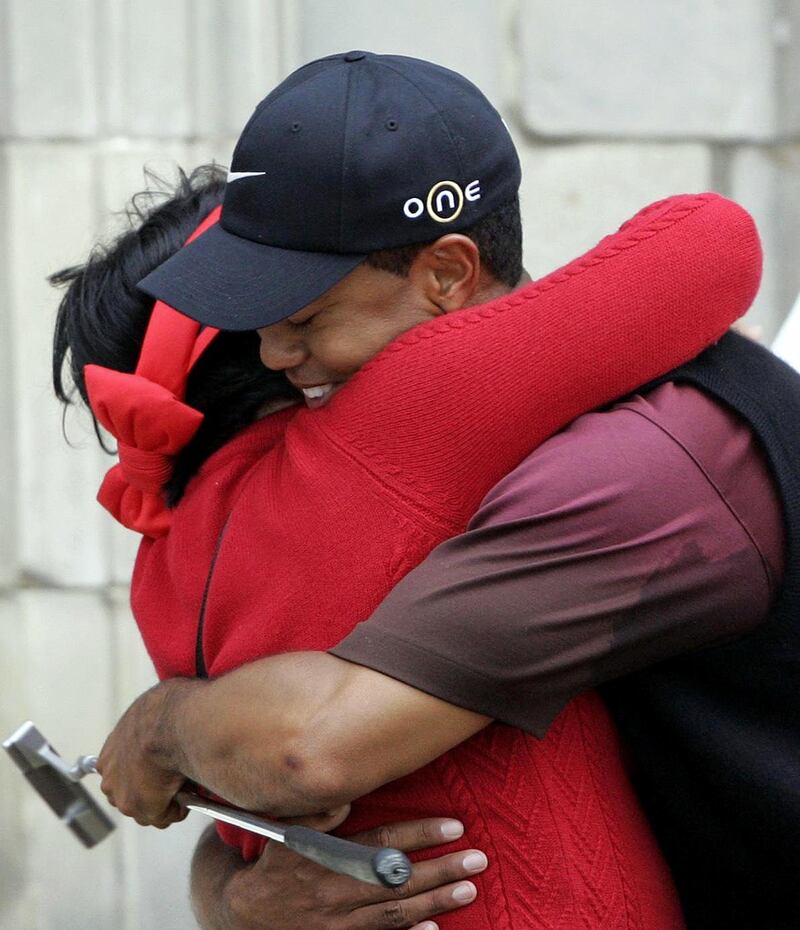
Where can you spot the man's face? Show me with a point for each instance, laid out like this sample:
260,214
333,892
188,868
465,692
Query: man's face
321,346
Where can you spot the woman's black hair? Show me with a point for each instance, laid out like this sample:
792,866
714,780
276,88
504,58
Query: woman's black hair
102,320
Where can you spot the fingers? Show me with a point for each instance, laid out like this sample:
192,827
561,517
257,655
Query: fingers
407,912
341,903
425,876
436,873
175,813
147,813
413,834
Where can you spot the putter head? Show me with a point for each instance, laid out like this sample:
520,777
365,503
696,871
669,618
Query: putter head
58,785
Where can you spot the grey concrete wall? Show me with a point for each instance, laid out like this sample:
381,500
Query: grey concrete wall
612,105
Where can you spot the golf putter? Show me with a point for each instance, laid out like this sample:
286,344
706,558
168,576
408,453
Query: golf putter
59,785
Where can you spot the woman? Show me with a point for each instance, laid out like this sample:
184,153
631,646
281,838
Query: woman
270,505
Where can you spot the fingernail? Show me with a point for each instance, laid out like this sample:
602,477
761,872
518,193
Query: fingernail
452,829
428,926
464,892
475,862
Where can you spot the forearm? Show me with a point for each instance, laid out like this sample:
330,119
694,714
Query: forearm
213,865
245,734
302,732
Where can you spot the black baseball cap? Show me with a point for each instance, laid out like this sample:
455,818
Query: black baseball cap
351,154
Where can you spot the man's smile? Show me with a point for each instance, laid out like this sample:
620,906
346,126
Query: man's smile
316,395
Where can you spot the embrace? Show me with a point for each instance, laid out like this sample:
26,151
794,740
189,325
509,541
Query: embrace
404,511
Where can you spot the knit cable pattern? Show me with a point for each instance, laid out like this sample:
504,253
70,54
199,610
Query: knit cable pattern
643,294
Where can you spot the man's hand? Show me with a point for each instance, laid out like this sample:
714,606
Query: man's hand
282,891
139,776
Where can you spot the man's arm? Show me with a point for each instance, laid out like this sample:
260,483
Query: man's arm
613,547
291,734
213,866
636,535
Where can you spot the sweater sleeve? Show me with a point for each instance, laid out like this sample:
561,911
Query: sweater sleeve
447,409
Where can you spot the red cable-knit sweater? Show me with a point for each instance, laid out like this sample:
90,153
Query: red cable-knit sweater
298,528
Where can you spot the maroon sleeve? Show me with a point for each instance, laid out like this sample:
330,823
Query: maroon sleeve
634,535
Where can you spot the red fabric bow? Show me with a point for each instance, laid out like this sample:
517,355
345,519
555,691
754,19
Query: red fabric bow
151,426
146,414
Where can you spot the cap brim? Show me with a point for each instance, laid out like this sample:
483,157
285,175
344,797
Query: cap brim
232,283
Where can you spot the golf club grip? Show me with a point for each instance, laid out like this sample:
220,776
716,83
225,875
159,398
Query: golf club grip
388,867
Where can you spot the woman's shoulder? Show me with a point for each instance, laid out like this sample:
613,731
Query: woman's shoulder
246,448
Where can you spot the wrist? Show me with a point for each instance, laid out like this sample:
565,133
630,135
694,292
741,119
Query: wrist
163,722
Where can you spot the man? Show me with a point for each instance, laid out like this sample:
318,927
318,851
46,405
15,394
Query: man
628,559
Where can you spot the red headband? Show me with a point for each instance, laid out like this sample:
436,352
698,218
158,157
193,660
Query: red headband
146,414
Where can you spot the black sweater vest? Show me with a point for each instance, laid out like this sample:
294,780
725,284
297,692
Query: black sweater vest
714,735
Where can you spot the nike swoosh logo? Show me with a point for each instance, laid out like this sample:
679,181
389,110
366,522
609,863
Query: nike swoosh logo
236,175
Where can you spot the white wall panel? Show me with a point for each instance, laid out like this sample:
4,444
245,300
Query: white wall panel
51,68
52,216
17,900
237,60
6,116
573,195
767,182
186,68
8,470
156,862
466,35
62,680
786,35
787,342
145,58
649,68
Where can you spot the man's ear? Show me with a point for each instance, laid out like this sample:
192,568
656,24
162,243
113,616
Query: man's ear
448,272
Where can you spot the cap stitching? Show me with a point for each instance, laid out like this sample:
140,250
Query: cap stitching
263,105
436,110
344,154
